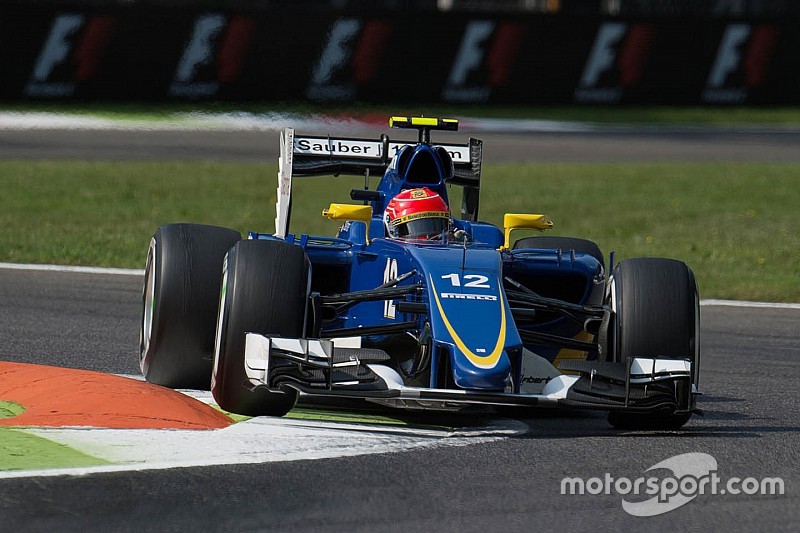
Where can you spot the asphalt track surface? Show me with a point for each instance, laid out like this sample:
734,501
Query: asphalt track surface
750,362
609,144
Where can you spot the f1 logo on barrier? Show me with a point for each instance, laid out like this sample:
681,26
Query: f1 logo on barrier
487,53
214,55
616,62
351,43
741,62
71,54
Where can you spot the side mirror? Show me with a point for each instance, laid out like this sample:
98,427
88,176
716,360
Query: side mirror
361,194
343,212
512,221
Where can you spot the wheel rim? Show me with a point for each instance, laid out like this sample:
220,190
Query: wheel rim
616,320
149,301
220,318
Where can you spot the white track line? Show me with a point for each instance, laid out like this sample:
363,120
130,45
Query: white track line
736,303
80,269
241,121
276,121
243,443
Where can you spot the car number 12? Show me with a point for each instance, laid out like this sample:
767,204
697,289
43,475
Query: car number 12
478,281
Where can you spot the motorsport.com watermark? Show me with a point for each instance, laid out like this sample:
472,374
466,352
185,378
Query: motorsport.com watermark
693,474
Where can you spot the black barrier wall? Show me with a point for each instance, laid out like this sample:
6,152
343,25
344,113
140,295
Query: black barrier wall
151,53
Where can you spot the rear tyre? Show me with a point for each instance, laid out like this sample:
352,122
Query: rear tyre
264,290
656,314
180,298
564,244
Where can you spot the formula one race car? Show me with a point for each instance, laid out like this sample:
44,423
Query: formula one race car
410,307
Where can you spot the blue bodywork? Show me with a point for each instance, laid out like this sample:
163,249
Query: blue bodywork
468,337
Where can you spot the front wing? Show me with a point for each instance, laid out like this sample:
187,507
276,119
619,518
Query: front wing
319,367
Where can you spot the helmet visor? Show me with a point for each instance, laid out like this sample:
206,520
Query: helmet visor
422,227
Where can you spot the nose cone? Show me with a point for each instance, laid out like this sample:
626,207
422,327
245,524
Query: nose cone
469,313
477,326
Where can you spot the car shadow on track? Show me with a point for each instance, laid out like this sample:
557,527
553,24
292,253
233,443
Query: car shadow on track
571,424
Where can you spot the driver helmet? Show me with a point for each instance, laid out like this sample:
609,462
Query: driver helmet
416,214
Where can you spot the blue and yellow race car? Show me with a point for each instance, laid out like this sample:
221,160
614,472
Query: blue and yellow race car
412,307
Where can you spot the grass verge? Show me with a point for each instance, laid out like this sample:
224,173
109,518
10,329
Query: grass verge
734,224
22,451
10,409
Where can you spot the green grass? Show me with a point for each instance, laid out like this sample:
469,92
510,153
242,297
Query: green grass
675,115
24,451
104,213
736,225
10,409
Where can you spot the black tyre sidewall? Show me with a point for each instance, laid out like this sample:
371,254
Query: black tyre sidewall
655,309
266,292
656,315
187,274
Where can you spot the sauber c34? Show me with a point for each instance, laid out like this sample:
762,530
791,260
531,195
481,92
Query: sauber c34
462,318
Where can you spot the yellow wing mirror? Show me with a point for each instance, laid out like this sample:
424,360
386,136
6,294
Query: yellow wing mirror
512,221
343,212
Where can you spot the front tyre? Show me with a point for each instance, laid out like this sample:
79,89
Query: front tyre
656,313
264,290
179,308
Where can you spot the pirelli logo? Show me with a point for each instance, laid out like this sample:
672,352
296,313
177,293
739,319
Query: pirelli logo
466,296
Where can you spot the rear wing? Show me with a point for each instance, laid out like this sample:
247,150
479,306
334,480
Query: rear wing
309,155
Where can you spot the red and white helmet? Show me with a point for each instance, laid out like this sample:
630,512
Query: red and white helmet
416,214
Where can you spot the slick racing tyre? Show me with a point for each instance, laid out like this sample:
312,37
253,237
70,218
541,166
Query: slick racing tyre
180,297
562,243
656,313
264,290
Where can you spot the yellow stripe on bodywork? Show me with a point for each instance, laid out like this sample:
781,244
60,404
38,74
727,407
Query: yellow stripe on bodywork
480,361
